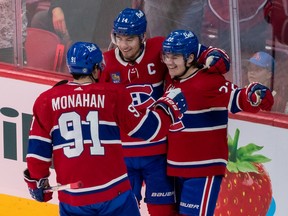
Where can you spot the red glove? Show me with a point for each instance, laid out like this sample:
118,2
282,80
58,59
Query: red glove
173,103
260,95
216,60
36,187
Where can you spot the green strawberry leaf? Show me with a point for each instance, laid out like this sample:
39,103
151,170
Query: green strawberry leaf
232,167
241,167
255,158
230,141
243,159
230,146
244,166
248,149
234,146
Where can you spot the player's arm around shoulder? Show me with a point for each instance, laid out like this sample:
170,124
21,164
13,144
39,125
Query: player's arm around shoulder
152,123
215,60
158,39
155,43
211,81
143,125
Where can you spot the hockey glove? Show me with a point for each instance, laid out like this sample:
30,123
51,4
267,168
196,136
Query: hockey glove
36,187
216,60
173,103
260,95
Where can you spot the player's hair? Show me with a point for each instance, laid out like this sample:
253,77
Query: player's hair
130,22
83,58
181,42
62,82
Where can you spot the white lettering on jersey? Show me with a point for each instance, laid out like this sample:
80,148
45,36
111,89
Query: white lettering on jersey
78,100
70,127
150,69
226,87
132,109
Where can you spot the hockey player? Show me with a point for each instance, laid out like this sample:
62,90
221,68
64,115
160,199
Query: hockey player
197,156
76,125
136,62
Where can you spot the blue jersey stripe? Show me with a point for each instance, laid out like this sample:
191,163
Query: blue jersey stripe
205,119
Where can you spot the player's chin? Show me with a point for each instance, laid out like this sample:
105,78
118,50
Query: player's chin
172,75
128,55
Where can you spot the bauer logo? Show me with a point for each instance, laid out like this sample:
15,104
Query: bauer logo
189,205
165,194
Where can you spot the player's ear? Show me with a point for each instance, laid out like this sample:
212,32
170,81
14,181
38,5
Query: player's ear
96,73
190,59
144,37
113,37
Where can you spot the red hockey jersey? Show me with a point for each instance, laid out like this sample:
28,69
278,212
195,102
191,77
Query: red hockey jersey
77,126
145,81
201,149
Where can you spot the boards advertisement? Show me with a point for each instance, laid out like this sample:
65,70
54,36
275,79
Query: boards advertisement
261,143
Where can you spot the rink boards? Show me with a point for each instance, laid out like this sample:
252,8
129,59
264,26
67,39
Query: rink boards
18,95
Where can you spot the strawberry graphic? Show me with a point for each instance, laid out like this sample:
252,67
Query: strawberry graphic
246,188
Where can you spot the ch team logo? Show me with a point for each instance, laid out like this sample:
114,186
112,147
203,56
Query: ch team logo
141,96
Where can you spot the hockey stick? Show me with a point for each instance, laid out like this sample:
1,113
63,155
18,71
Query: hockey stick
74,185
